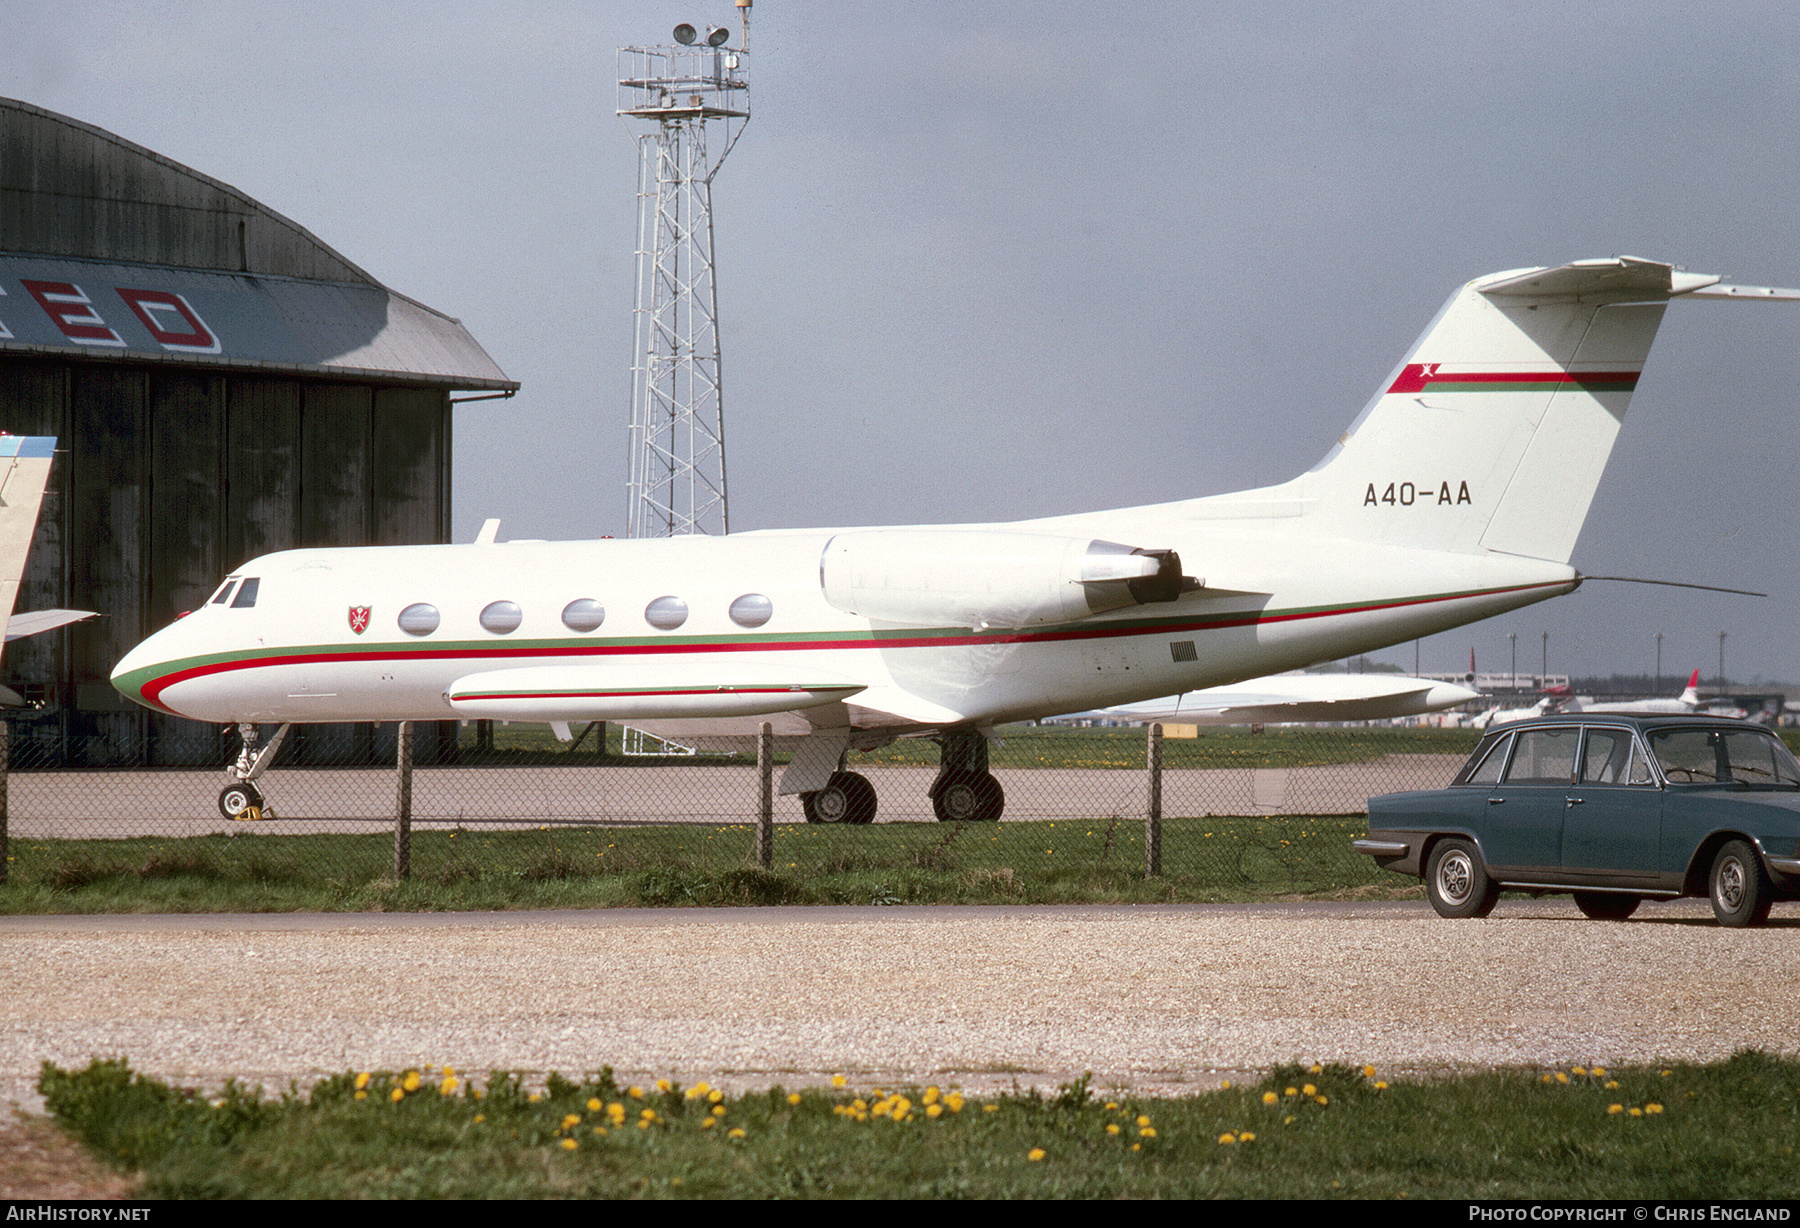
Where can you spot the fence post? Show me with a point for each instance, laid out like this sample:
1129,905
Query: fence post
403,762
5,809
1153,813
765,815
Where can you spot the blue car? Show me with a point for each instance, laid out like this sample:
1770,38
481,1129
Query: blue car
1614,809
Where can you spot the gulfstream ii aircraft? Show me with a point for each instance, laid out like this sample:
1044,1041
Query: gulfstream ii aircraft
1456,495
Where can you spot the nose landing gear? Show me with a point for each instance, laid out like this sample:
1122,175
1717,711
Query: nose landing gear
241,801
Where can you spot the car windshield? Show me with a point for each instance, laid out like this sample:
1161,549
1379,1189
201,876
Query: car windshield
1714,756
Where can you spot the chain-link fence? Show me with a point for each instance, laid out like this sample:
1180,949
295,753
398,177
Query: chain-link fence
1233,808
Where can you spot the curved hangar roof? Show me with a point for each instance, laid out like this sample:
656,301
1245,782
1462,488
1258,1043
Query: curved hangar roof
111,251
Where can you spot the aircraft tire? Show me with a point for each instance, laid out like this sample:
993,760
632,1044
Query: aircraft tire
235,799
968,797
846,798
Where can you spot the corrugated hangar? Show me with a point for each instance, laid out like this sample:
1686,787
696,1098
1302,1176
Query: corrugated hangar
221,384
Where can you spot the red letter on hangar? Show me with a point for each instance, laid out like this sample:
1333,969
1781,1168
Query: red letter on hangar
171,320
73,312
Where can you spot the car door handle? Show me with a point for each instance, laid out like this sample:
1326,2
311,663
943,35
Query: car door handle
1496,801
1576,801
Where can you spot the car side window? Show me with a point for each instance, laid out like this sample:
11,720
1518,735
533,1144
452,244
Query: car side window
1544,757
1487,772
1606,757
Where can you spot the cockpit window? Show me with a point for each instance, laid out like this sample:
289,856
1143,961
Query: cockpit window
246,594
224,593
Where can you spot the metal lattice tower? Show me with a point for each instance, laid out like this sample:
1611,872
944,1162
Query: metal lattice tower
677,483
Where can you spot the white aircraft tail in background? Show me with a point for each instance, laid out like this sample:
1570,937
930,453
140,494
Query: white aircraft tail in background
1688,702
24,474
1455,496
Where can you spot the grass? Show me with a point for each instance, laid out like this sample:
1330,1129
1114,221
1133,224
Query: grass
1716,1131
1055,861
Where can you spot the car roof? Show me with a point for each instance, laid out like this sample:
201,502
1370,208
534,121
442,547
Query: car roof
1635,720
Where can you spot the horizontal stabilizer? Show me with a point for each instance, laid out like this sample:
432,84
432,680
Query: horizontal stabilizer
654,690
36,622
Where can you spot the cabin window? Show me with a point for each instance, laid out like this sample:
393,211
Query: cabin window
419,619
583,614
246,594
666,613
502,617
224,593
752,610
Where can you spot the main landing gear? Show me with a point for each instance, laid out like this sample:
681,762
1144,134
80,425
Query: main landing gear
964,791
241,801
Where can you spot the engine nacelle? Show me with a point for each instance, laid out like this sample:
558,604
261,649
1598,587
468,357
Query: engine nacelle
950,577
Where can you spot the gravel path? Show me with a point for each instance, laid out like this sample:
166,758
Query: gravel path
1156,998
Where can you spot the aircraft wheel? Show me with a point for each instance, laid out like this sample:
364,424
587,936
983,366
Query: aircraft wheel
235,799
846,798
968,797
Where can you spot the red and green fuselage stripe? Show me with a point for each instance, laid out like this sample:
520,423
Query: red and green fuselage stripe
149,683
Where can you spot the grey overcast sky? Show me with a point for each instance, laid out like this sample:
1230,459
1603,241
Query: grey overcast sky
985,261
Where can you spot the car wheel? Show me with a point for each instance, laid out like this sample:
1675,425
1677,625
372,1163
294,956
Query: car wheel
1739,886
1605,906
1457,882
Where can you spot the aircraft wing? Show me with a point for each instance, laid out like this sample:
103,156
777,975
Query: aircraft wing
643,690
36,622
1301,697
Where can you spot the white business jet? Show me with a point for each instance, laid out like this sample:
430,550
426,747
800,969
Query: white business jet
1456,495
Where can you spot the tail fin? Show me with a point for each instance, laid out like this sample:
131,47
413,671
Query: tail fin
1691,696
24,472
1493,432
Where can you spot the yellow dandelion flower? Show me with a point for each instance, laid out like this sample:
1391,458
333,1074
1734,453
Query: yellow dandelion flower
480,1117
1137,1146
594,1105
1035,1154
1561,1077
362,1081
1309,1090
1653,1108
1292,1091
1368,1072
931,1095
1577,1070
715,1096
600,1130
718,1110
1112,1127
570,1119
636,1093
1271,1098
838,1080
448,1086
1225,1084
1244,1136
1143,1120
362,1095
793,1097
1635,1111
934,1110
397,1095
569,1144
1315,1068
1322,1099
412,1081
1615,1108
1381,1085
708,1122
1227,1139
735,1132
990,1108
1147,1132
954,1102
